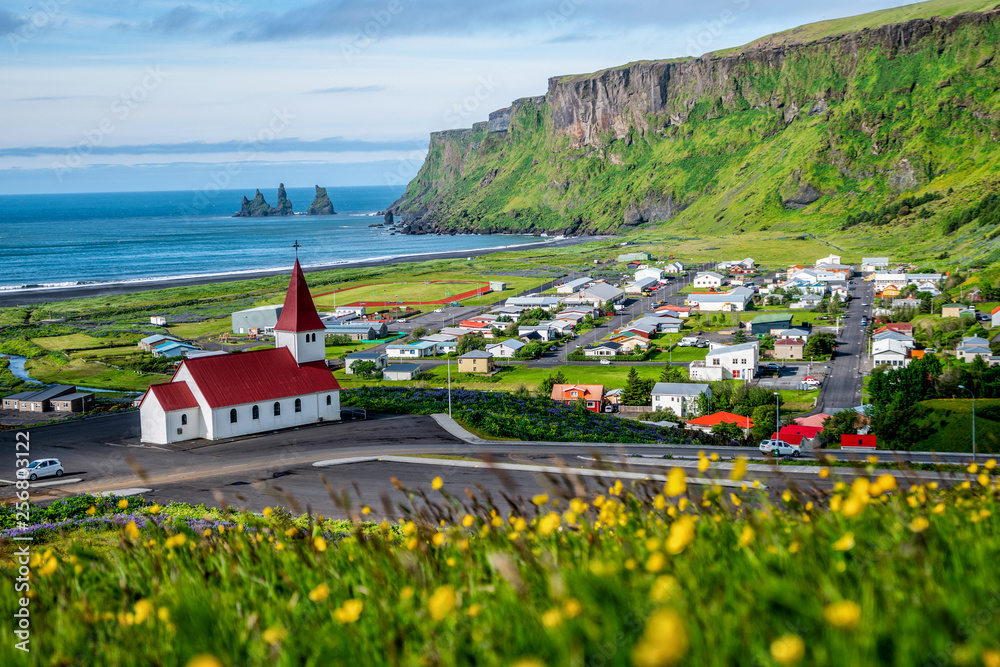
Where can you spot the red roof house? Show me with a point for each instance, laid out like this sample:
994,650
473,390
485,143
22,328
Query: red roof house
571,393
706,422
795,435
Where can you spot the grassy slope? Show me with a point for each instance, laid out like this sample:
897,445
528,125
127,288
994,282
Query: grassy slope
949,427
731,163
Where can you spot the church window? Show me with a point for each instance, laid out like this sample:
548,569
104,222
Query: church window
232,416
277,409
184,420
329,400
256,412
298,405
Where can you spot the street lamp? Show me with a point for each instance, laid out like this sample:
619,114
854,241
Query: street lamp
973,420
777,413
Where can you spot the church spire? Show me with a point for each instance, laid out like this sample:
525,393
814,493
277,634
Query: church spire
299,312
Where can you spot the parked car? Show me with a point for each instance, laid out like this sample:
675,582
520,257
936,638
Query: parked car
605,362
773,366
780,448
812,382
41,468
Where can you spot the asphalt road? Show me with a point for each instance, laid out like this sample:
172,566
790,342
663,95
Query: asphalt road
842,387
276,468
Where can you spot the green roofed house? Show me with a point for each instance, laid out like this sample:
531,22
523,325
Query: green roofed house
762,325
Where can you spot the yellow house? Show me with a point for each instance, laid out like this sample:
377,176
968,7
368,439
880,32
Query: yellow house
890,291
476,361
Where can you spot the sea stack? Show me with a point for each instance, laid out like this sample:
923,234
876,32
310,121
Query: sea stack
284,207
388,218
258,208
321,204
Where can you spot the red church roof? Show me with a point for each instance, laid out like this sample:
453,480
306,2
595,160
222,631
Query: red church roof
299,311
172,396
250,377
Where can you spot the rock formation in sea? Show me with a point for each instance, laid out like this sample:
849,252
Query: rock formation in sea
258,208
283,207
388,218
321,204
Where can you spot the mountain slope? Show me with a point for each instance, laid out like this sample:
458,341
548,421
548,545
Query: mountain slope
771,135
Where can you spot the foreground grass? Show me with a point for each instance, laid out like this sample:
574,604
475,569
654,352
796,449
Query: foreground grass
643,575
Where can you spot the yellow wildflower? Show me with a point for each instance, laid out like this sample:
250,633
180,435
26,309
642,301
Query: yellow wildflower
320,593
664,588
843,615
787,496
739,469
676,482
540,499
991,656
788,649
204,660
549,524
577,506
436,483
664,642
442,603
572,608
348,612
973,468
991,464
919,524
702,464
267,511
92,510
746,536
143,610
177,540
406,593
824,473
552,618
736,499
983,479
659,502
155,509
438,539
319,543
468,520
681,535
656,562
274,634
845,543
474,610
938,509
132,530
123,503
366,510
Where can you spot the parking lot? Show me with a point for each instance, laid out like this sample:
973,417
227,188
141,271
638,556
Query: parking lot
789,377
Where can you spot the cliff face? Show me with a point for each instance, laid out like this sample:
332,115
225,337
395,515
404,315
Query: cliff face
732,142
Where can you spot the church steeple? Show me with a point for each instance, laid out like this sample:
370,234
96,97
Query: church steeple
299,327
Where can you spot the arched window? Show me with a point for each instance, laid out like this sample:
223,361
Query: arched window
298,405
256,412
184,420
277,409
328,400
232,416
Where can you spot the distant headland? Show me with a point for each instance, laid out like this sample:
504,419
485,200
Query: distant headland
259,208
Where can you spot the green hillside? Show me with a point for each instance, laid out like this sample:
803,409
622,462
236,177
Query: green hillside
878,137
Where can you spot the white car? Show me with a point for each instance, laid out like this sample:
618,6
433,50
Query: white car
439,310
780,448
41,468
605,362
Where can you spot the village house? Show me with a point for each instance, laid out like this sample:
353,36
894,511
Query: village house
681,397
599,294
798,334
58,398
769,323
476,361
706,422
891,352
634,257
975,346
571,394
956,310
380,359
358,331
708,280
261,318
649,272
173,349
417,350
507,349
681,312
995,317
150,342
262,390
789,348
574,286
806,301
630,343
874,264
735,300
602,349
401,372
674,267
727,362
542,332
534,301
640,286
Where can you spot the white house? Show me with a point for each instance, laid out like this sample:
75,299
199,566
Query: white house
602,349
873,264
890,352
534,301
681,397
734,300
574,286
401,372
239,394
641,285
543,331
972,347
649,272
596,294
507,349
708,279
727,362
995,317
674,267
417,350
829,259
380,359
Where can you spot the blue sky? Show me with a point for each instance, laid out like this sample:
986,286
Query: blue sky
119,95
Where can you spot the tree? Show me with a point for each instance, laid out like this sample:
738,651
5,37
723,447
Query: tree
637,391
470,342
418,333
545,386
820,344
704,403
661,415
365,369
845,422
763,421
728,430
671,374
740,336
581,406
532,350
767,342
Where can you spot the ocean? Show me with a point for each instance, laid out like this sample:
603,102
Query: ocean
74,239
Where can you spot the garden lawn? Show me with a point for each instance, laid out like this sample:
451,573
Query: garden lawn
81,342
680,354
793,400
109,354
195,330
90,374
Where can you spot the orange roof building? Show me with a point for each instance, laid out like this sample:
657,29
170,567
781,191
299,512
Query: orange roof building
706,422
571,393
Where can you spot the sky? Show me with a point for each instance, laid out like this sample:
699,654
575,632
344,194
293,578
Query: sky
136,95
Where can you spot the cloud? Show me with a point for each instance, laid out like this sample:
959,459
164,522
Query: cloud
55,98
347,89
10,22
328,145
180,19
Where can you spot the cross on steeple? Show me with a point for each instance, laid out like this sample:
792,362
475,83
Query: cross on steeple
296,245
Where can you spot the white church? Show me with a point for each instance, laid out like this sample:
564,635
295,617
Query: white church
238,394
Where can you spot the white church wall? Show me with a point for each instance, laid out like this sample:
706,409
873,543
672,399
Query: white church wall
313,407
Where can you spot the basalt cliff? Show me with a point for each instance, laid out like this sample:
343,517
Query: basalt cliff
793,129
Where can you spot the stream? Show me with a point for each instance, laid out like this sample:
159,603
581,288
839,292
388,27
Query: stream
17,363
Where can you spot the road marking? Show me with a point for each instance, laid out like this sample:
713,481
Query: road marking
518,467
132,491
74,480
